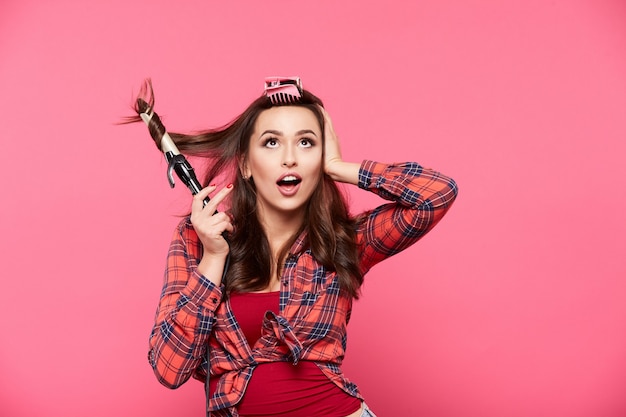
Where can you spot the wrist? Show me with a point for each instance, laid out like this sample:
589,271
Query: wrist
211,266
341,171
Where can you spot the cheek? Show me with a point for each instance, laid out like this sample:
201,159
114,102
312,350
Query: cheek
315,161
317,175
256,166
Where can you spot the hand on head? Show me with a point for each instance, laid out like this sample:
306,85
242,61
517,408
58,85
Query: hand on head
332,149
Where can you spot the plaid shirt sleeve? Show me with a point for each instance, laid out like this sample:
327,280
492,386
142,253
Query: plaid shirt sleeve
185,314
420,198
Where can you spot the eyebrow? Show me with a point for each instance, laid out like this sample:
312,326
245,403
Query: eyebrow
298,133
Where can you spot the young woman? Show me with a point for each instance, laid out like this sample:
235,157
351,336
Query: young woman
264,290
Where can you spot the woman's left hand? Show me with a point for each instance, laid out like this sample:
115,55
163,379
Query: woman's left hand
334,165
331,148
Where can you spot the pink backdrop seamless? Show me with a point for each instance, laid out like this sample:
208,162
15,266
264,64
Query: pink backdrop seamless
514,306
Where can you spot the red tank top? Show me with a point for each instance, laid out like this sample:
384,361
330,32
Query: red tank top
281,388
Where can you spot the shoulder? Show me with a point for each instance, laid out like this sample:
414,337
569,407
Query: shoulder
184,230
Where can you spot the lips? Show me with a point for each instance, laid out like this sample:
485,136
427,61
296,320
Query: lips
289,183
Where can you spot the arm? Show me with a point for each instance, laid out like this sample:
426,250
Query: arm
420,197
185,314
191,292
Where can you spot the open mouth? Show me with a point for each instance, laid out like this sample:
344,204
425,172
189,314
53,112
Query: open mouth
289,181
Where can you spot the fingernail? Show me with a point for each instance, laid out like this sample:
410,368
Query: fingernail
229,186
212,185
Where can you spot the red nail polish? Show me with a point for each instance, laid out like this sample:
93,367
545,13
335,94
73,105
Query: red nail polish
212,185
229,186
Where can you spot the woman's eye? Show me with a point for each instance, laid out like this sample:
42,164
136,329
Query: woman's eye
306,143
270,143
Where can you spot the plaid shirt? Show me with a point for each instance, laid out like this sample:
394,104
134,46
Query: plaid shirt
314,310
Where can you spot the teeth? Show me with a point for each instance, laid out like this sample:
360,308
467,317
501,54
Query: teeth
289,180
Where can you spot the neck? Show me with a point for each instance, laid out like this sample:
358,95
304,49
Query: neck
280,227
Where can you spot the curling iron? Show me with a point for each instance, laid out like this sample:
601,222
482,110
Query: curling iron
176,162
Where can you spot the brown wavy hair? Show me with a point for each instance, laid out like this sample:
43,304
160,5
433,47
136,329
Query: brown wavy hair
329,228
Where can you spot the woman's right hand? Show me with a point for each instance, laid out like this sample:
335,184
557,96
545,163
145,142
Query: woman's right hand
209,224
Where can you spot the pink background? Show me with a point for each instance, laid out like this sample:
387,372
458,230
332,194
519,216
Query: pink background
514,306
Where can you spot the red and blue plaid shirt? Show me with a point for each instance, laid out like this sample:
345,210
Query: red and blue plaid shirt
314,310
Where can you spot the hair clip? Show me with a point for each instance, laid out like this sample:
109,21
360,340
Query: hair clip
283,90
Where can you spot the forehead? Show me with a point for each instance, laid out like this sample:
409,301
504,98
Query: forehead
287,119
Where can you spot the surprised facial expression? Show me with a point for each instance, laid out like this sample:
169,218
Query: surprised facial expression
285,159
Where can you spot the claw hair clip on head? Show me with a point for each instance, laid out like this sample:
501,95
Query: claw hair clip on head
283,90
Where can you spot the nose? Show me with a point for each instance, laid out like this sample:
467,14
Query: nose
289,157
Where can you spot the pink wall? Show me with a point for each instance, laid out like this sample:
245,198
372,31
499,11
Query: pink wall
515,306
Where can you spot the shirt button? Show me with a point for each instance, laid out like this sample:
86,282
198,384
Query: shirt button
214,300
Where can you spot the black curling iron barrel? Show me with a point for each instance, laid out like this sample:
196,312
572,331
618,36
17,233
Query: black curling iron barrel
177,163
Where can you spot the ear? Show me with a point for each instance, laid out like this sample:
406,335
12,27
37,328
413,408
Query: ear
243,168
